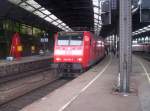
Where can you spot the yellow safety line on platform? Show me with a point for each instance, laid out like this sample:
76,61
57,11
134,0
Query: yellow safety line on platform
82,90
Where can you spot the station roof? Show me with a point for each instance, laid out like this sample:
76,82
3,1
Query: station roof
53,14
78,14
67,15
14,12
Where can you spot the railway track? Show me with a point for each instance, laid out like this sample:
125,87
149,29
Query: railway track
23,89
24,74
12,87
28,98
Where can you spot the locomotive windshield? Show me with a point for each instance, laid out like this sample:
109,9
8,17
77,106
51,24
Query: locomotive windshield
63,40
70,39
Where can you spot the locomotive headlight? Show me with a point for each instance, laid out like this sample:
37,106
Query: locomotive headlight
79,59
59,52
58,59
77,52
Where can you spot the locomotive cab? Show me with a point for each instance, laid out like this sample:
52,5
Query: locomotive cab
68,52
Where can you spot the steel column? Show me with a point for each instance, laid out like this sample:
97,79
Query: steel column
125,45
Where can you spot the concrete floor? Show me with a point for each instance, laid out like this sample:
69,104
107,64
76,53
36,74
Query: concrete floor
92,91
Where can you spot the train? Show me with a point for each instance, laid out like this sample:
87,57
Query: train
77,51
141,47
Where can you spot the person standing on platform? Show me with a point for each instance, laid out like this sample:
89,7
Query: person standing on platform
106,50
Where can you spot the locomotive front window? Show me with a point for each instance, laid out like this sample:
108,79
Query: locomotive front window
76,40
63,40
70,39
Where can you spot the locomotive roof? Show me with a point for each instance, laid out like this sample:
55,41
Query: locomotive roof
96,37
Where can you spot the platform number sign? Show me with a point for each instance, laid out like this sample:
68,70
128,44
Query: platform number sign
44,40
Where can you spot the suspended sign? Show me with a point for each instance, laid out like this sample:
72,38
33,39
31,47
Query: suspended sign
44,40
114,4
106,12
145,11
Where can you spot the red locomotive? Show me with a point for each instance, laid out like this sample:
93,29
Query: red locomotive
77,50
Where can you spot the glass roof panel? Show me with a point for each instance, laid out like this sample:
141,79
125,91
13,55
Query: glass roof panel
67,27
15,1
96,10
96,16
95,2
53,17
55,23
95,24
96,20
33,3
39,14
63,24
60,26
48,19
45,11
27,7
59,21
42,9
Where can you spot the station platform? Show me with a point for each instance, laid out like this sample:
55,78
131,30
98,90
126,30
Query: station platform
25,59
93,90
24,64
